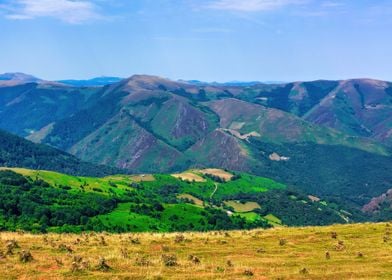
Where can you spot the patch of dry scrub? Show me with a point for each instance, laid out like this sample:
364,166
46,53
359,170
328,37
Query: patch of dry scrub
362,251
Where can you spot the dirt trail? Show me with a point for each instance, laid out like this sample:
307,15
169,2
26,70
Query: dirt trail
216,188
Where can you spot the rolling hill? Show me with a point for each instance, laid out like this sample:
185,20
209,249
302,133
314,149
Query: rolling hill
196,200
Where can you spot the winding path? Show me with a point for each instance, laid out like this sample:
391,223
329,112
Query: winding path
216,188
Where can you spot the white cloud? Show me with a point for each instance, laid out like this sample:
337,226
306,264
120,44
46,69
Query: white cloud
70,11
251,5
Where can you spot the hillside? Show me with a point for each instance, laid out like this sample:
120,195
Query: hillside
360,107
202,200
356,251
18,152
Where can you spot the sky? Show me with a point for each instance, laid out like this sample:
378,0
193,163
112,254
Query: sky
208,40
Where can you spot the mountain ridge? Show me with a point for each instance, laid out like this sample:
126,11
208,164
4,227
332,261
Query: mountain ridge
149,124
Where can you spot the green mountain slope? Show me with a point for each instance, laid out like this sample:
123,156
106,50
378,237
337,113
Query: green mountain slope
245,120
27,108
357,107
360,107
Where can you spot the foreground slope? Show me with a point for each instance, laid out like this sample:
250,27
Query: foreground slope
359,251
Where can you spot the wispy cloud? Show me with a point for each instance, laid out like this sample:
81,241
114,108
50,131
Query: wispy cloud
251,5
323,9
69,11
212,30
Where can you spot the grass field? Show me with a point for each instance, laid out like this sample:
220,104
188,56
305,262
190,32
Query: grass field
117,184
217,172
189,176
359,251
242,207
195,200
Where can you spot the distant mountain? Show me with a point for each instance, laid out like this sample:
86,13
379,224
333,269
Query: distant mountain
232,83
95,82
18,152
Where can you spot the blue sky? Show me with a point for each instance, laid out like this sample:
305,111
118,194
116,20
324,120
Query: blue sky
210,40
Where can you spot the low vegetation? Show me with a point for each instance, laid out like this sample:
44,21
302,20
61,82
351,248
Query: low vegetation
356,251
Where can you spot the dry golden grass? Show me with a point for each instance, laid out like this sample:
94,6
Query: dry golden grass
217,172
196,200
189,176
142,178
357,252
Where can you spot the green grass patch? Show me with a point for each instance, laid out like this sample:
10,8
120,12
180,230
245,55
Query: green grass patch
250,216
122,218
247,184
273,220
112,185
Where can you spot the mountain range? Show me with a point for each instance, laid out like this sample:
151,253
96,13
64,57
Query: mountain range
327,138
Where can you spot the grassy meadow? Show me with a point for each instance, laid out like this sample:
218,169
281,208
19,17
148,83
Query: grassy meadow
356,251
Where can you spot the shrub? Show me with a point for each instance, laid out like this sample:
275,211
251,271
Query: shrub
25,256
248,272
102,265
169,260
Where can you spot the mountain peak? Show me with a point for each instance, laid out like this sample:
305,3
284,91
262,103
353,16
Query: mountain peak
150,82
141,78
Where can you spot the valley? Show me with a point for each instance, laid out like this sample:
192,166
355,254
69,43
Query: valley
309,136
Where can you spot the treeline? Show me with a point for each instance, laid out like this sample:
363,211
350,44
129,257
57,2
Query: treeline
295,209
327,171
33,205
